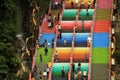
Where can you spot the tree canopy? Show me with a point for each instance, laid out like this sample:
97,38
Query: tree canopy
9,62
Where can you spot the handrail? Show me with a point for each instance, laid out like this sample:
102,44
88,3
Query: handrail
33,62
110,42
91,35
50,73
76,21
55,40
72,52
109,52
35,52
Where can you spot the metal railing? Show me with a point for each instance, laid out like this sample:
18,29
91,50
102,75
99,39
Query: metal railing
91,35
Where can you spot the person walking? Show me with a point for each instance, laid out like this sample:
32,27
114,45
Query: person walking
76,28
35,69
53,43
47,70
40,75
82,4
89,5
56,56
65,42
44,43
40,57
72,4
79,66
63,72
60,31
83,28
73,67
87,12
46,51
79,75
88,41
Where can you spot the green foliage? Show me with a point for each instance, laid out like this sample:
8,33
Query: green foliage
9,63
116,55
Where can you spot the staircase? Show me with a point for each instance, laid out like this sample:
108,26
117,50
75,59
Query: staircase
100,41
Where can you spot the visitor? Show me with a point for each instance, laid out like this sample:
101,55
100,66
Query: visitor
82,4
59,27
49,24
53,43
114,19
85,75
40,57
72,4
35,69
88,41
40,75
36,76
49,17
48,44
56,56
63,72
56,4
87,12
75,76
45,43
44,74
94,1
64,42
73,67
47,70
46,51
76,28
89,5
79,66
58,16
79,75
60,31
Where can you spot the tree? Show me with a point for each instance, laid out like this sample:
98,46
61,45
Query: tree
9,62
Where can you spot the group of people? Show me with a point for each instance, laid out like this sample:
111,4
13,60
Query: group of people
73,67
50,21
81,4
44,74
59,31
78,73
56,4
82,28
47,43
53,20
46,52
63,73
